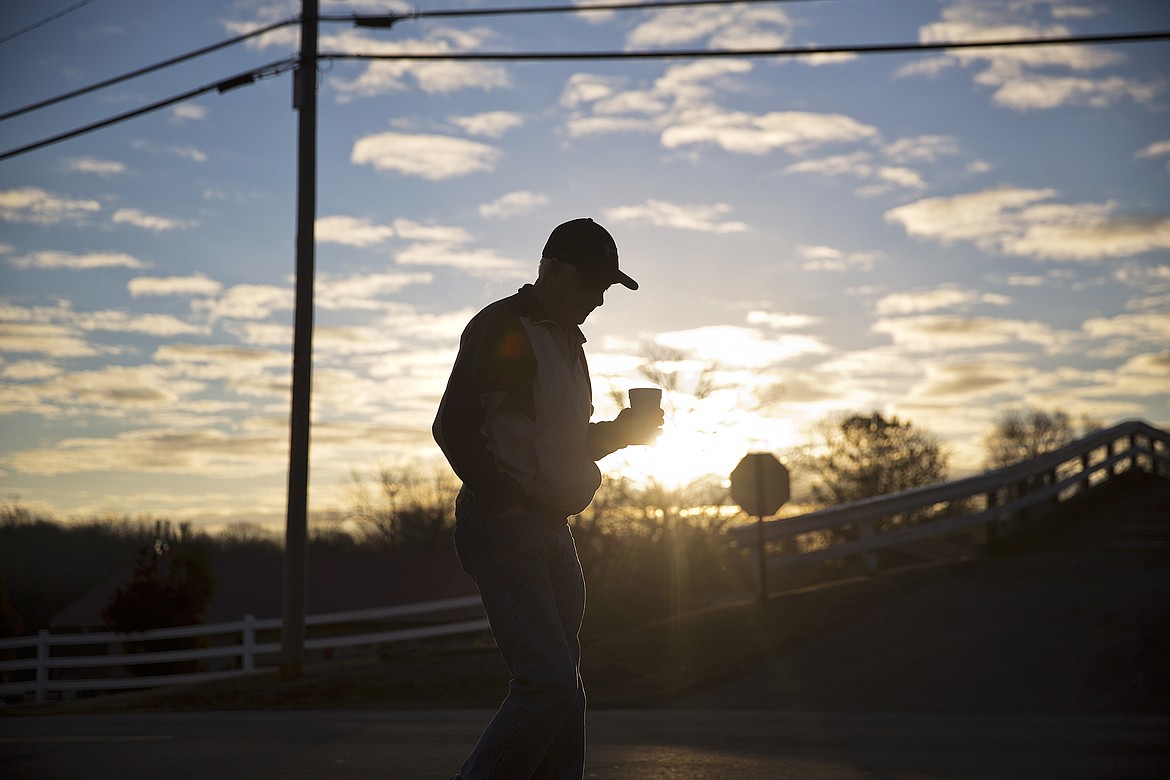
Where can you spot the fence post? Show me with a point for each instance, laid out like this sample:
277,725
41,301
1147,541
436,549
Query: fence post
868,556
248,662
42,664
991,527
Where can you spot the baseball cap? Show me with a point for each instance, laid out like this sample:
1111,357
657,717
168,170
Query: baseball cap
590,248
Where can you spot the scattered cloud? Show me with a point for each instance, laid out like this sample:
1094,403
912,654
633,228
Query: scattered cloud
477,262
246,302
946,297
720,28
94,165
382,77
432,157
697,217
185,152
1028,78
955,381
196,285
744,133
32,204
734,346
50,260
513,204
364,291
150,222
937,332
37,338
490,123
1020,222
781,320
826,258
119,320
351,231
1156,149
207,452
26,370
188,112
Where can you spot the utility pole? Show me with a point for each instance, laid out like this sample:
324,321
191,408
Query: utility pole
292,634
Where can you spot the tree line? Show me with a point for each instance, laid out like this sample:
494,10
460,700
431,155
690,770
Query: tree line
648,549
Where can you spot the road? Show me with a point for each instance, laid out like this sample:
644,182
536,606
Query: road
642,744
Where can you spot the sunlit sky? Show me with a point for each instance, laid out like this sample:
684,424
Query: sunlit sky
937,235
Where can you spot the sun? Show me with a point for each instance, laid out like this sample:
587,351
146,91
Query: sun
702,443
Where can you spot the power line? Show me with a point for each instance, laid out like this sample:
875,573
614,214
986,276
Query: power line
149,68
42,22
224,85
663,54
387,20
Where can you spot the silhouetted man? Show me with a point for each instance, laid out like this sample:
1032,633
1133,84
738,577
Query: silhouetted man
514,424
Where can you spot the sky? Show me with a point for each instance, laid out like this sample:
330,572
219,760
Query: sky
939,235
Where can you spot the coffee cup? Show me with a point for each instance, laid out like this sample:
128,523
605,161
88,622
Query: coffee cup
645,399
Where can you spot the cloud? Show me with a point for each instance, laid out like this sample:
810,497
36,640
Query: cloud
32,204
858,164
381,77
826,258
25,370
939,298
489,123
43,339
721,28
1018,222
432,157
477,262
188,112
1143,327
198,285
94,165
697,217
513,204
781,321
246,302
1156,149
363,291
119,320
936,332
744,133
150,222
956,381
679,106
733,346
184,152
48,260
206,452
1023,78
351,231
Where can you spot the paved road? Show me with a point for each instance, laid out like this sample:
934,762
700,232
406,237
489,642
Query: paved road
647,745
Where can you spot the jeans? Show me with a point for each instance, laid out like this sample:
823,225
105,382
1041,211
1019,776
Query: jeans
530,581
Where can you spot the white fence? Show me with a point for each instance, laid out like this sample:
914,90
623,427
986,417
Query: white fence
233,646
999,500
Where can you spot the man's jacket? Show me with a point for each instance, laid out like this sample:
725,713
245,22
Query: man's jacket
514,420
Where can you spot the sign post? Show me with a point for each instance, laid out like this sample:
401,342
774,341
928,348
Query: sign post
760,485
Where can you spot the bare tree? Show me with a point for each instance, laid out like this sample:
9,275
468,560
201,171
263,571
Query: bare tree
1022,434
405,508
867,455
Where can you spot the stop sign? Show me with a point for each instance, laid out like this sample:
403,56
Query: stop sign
759,484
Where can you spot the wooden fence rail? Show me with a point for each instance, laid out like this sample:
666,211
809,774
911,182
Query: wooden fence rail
234,645
998,500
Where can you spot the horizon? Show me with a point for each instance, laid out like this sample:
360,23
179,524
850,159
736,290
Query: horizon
938,236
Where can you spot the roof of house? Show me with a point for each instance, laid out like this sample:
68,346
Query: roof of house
253,584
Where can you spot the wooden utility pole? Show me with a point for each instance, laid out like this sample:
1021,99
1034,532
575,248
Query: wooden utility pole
292,635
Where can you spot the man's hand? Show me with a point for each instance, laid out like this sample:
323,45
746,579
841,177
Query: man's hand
640,427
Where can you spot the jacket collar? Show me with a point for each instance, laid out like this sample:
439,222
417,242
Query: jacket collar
532,308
